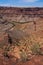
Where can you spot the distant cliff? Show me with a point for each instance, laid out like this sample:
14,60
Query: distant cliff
12,13
33,17
17,10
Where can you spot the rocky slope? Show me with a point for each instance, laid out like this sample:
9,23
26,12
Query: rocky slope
20,30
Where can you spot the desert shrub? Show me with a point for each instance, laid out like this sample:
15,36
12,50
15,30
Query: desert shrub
6,54
6,50
17,44
23,56
35,48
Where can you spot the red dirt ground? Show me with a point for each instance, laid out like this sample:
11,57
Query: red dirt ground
36,60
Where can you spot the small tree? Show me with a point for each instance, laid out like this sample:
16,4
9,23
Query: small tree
9,39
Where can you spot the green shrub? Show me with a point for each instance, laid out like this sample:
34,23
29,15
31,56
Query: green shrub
23,56
36,48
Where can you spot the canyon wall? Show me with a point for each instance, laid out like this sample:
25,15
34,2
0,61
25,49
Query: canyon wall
29,20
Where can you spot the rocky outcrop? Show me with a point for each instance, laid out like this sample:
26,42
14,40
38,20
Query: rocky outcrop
27,15
26,19
14,12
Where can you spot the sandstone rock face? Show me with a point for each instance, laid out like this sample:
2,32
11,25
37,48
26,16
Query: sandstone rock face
32,16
